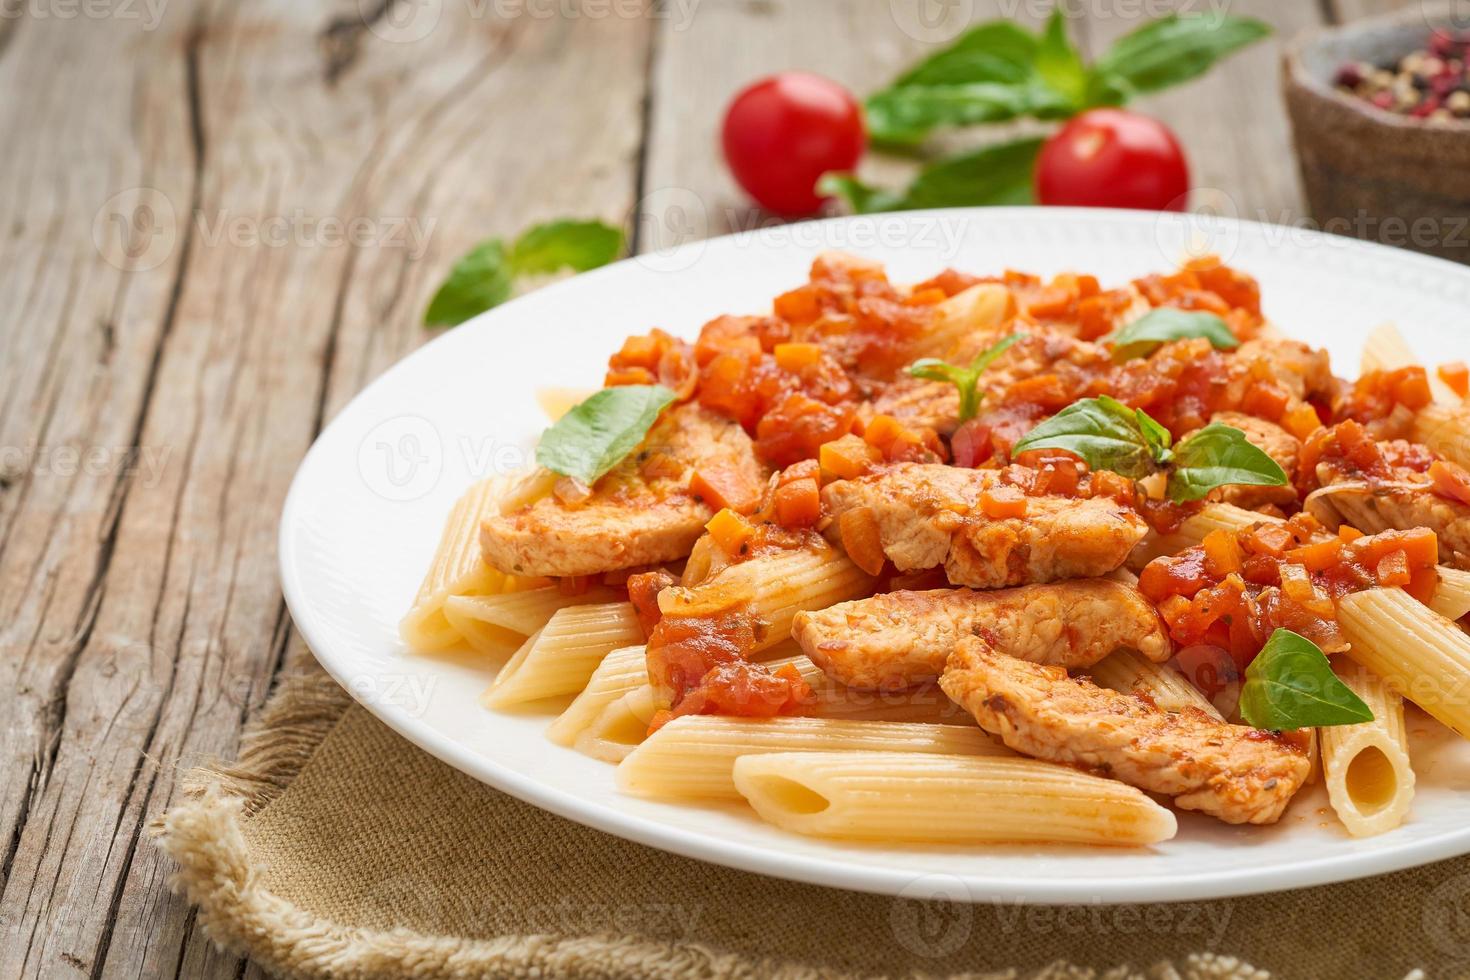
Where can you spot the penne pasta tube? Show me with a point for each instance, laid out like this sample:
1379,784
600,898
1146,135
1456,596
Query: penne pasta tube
694,756
1129,672
620,727
1451,597
560,657
481,636
526,611
621,671
950,799
1386,350
457,569
1416,652
1366,767
773,589
979,310
1445,428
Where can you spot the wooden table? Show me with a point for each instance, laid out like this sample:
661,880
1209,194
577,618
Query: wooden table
218,221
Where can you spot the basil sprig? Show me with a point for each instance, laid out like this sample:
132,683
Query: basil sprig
1291,685
1109,435
998,71
1158,327
966,379
596,435
992,175
485,276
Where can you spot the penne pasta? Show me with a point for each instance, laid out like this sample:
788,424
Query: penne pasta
694,756
1386,350
773,589
561,657
1128,672
527,611
621,671
976,311
1445,428
457,570
931,798
1366,767
1451,597
1416,652
620,727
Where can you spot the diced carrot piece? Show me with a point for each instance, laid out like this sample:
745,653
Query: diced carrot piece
1348,533
1423,582
846,458
998,503
1051,301
807,469
1411,387
660,718
1301,420
1457,375
794,357
730,531
1450,480
1269,539
723,485
799,306
641,351
1317,556
926,297
1265,401
858,529
1174,609
1296,582
883,431
629,376
1393,570
1222,553
1421,546
798,503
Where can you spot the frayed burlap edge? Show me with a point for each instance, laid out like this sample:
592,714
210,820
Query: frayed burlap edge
204,834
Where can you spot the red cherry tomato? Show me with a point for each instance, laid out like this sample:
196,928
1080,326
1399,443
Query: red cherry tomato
784,132
1109,158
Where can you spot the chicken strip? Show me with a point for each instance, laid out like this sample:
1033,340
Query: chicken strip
1274,441
1372,508
1236,773
900,639
639,513
928,515
1300,370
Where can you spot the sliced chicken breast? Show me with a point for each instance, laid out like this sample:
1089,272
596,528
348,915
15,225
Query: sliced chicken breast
928,515
901,639
1395,506
1236,773
641,513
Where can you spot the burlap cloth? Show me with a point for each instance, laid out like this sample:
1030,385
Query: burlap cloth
333,848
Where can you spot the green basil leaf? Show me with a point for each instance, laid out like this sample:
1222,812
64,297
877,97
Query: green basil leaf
1174,49
966,379
1159,439
862,198
1103,431
907,115
995,51
1059,64
997,174
557,245
594,436
1216,456
477,282
1291,685
987,357
1158,327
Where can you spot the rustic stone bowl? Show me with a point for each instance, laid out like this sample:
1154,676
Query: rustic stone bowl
1369,173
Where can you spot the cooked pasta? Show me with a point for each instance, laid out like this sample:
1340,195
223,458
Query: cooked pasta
621,671
692,757
932,798
1386,349
1416,652
620,726
458,569
1131,673
1444,428
560,657
1366,767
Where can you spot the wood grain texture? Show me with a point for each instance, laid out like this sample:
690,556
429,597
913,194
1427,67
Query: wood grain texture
162,370
143,620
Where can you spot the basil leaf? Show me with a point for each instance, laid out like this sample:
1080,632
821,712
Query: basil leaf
557,245
1158,327
862,198
906,115
477,282
998,174
1059,64
1173,49
1159,439
1103,431
1216,456
966,379
594,436
1291,685
995,51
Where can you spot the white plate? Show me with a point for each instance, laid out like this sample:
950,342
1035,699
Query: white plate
366,508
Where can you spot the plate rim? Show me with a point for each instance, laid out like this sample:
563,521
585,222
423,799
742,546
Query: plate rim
1106,889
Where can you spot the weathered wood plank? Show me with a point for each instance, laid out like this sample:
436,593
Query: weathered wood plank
239,349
